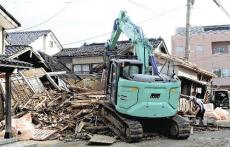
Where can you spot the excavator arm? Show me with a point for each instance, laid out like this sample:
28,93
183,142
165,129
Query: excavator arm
142,47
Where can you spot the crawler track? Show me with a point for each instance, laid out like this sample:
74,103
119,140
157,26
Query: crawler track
179,128
131,130
127,129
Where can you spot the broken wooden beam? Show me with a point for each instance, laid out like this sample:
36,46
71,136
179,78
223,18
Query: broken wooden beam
52,82
96,128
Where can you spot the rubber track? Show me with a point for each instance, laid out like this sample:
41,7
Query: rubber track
119,124
183,126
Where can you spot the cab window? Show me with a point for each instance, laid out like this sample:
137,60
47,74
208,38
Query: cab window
129,71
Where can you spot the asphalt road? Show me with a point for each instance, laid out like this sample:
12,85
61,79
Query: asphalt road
220,138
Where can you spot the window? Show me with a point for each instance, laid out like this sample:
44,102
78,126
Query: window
82,69
51,44
225,72
222,72
179,49
218,50
129,70
199,49
217,72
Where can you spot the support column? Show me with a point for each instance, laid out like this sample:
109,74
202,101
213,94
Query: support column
8,127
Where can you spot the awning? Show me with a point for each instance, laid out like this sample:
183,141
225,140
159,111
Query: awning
194,80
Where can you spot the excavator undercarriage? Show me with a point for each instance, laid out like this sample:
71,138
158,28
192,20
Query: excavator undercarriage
131,129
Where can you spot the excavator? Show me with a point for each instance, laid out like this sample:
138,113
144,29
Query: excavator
136,90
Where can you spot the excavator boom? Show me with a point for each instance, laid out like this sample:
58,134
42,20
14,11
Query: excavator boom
142,47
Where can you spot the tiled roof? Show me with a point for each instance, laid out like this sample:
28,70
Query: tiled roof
203,29
4,61
97,49
55,65
25,38
13,49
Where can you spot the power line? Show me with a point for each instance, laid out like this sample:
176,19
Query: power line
34,3
143,21
162,14
86,39
217,2
142,6
50,18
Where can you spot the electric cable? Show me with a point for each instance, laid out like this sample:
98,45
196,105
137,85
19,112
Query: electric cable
49,19
143,21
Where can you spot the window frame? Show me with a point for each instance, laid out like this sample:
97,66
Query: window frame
218,50
82,71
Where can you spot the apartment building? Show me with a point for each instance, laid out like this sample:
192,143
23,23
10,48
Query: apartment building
209,49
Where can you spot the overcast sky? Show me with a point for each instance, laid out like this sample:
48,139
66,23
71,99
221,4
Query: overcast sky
76,21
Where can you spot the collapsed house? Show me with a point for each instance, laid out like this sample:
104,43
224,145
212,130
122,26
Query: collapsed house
40,60
192,77
7,21
55,110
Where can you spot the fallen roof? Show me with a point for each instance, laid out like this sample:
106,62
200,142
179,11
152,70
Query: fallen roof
55,65
97,49
6,62
14,49
25,38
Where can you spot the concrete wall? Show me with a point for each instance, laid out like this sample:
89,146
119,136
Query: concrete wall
206,59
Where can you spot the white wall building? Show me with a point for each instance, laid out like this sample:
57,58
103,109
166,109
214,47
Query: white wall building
42,40
7,21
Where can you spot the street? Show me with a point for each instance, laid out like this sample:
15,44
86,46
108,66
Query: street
201,137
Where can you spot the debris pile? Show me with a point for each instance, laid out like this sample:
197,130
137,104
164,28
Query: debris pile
216,114
62,111
56,112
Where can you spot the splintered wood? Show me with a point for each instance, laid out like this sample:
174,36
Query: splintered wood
61,109
64,112
56,112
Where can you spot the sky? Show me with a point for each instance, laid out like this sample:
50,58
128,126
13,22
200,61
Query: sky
75,22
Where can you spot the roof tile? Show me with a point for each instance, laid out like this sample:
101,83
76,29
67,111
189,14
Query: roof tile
25,38
13,49
97,49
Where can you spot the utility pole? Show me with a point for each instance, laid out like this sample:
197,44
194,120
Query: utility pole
187,41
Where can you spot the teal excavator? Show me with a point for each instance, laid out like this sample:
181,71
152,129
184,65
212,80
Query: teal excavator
136,90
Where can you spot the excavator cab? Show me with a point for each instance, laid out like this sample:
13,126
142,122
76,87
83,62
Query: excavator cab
120,68
136,94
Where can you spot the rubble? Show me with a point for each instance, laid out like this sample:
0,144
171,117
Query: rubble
56,112
68,112
102,139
